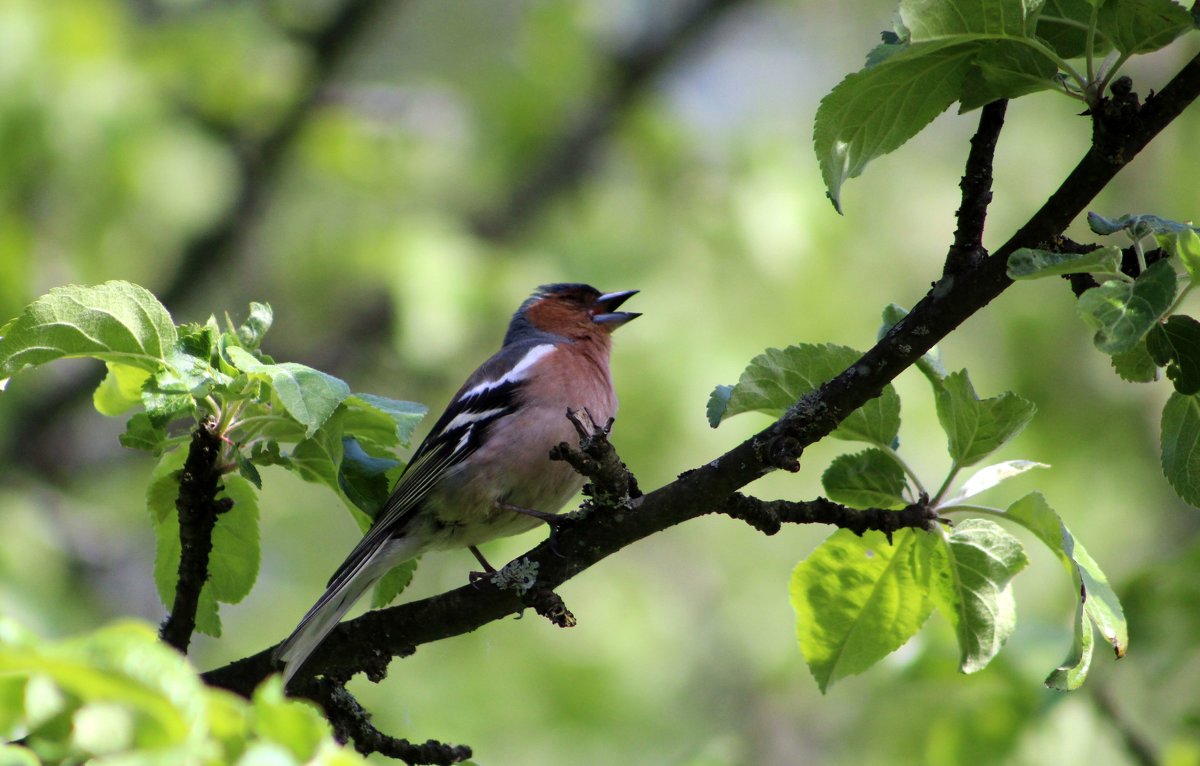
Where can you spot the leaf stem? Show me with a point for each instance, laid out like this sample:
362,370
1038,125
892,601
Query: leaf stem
912,475
942,490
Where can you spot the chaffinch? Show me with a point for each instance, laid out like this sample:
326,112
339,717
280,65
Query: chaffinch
484,471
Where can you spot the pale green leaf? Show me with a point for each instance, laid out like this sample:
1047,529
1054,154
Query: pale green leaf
1186,244
121,389
233,563
971,588
310,396
930,20
776,380
1142,26
393,583
1122,313
977,427
1030,263
876,110
386,422
867,479
1099,603
986,478
1180,442
116,322
857,599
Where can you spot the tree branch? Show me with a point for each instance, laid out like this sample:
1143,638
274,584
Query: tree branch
767,516
976,185
199,483
366,642
352,722
567,156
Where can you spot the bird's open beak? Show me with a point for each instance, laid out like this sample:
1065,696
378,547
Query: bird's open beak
606,312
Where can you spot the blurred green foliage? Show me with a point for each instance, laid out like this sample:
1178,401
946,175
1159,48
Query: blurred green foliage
130,130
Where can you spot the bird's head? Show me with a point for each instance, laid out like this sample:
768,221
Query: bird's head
574,311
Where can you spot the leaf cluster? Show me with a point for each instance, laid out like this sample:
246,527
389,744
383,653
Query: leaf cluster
119,695
859,598
974,53
169,378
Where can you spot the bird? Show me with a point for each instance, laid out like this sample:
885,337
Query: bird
484,471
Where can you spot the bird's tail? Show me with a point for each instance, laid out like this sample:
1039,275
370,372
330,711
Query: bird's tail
344,591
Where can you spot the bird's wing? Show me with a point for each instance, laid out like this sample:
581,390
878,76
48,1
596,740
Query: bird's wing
491,393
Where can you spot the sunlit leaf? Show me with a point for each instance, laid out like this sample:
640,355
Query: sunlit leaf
977,427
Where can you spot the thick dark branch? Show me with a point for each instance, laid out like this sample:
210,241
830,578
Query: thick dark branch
367,641
976,185
768,515
351,722
199,483
567,156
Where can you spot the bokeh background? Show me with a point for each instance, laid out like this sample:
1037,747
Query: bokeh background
394,177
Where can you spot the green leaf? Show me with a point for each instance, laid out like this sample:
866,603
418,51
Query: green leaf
1030,263
1138,226
777,379
1175,344
393,584
1180,440
977,427
876,110
971,587
15,755
234,561
868,479
141,433
718,402
1121,313
121,389
986,478
1142,26
1071,674
1006,69
1186,244
1099,602
116,322
363,477
857,599
297,726
247,469
318,458
1063,25
1135,365
310,396
386,422
250,333
938,19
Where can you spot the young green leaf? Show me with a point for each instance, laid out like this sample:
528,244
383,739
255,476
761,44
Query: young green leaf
1142,26
977,427
986,478
141,433
250,333
1071,674
1135,365
1063,25
858,599
386,422
1006,69
1121,313
1180,442
867,479
236,552
777,379
363,477
1175,344
928,20
876,110
393,583
310,396
121,389
115,321
1030,263
1186,244
971,588
1138,225
1099,602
